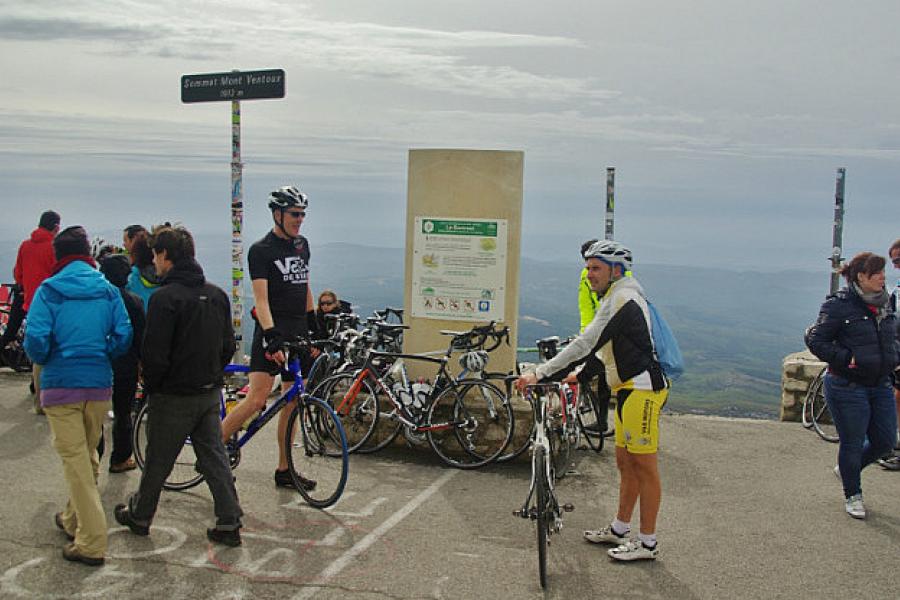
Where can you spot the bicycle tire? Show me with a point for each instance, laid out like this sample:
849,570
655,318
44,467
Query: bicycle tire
560,446
542,510
821,417
184,474
319,453
514,450
359,416
808,401
481,424
589,418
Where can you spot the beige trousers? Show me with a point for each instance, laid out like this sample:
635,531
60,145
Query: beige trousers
76,430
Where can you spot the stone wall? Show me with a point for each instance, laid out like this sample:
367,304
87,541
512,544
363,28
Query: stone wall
798,371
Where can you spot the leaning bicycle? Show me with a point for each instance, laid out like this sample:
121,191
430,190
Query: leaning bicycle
541,504
317,445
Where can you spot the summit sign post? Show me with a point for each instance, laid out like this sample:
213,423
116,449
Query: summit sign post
233,87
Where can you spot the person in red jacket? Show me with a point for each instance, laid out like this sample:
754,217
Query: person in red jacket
34,264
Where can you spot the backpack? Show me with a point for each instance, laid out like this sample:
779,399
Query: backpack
665,346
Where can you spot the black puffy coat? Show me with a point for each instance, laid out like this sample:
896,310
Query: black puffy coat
846,329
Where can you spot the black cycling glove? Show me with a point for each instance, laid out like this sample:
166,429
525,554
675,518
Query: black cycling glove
273,340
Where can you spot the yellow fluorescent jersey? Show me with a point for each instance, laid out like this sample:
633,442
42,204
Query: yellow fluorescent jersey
587,301
620,337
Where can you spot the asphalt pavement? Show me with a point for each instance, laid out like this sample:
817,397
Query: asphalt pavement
750,509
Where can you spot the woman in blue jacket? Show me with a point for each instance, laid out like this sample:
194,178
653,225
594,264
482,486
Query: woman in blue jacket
76,324
855,335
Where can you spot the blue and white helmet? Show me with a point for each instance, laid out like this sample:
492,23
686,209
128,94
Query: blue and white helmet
610,252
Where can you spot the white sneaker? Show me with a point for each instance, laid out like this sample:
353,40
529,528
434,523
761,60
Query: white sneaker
855,507
605,535
633,550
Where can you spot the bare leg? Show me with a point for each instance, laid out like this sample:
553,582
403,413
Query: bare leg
650,489
629,486
260,386
284,419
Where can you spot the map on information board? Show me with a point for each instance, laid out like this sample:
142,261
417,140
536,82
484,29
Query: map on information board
459,268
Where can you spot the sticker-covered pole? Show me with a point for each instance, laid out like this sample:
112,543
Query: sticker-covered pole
237,219
838,230
610,201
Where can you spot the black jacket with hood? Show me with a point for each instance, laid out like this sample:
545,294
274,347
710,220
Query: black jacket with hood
189,337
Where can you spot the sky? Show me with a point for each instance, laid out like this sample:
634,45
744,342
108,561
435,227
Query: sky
726,120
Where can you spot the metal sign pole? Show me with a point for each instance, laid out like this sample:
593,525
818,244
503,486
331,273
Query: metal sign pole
838,230
610,200
237,220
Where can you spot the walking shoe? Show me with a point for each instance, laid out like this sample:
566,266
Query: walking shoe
891,463
605,536
128,465
855,507
57,518
284,479
228,538
633,550
123,517
70,552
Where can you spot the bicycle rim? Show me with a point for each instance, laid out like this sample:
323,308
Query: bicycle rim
821,418
542,494
815,388
184,474
317,452
523,430
359,414
589,421
480,424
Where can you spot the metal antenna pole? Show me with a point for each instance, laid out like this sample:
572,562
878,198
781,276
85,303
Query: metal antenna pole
610,200
838,230
237,221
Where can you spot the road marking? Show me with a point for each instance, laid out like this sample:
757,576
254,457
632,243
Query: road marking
364,544
178,539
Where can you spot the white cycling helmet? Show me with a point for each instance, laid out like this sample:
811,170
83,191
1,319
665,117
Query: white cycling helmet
610,252
475,361
287,197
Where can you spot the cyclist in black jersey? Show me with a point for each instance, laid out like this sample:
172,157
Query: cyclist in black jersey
279,273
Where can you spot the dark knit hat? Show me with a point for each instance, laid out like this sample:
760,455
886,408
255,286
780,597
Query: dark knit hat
71,241
116,269
49,220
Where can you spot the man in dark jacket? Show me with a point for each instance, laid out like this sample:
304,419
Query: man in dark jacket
187,343
116,268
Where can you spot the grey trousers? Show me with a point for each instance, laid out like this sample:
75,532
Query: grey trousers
172,418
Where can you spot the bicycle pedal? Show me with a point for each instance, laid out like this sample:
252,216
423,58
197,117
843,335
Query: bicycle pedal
568,507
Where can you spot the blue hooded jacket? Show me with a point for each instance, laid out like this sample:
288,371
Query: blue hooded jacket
77,322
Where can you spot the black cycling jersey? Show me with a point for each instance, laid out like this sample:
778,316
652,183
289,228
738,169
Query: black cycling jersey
284,264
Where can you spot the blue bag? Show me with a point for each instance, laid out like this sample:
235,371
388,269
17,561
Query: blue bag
665,346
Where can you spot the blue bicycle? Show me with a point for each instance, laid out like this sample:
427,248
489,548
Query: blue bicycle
317,446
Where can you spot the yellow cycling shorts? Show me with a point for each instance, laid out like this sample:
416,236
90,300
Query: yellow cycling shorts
637,419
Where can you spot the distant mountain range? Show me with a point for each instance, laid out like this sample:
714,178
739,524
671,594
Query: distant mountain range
734,327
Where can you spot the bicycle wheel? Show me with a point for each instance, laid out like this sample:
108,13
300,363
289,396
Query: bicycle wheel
542,510
470,424
184,475
358,414
560,445
821,417
319,453
523,423
589,419
815,388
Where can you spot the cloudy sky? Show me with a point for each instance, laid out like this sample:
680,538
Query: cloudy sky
725,119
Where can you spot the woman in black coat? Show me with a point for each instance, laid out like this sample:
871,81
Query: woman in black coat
855,335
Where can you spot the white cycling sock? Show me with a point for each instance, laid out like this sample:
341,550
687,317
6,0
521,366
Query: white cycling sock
648,539
620,527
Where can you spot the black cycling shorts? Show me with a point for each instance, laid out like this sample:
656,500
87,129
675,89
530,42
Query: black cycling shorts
290,329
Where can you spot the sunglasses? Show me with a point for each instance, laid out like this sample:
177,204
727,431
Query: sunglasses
326,303
297,213
896,261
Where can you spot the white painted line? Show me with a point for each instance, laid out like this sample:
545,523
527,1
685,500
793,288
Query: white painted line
368,511
364,544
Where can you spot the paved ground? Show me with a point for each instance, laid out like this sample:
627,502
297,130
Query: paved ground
750,510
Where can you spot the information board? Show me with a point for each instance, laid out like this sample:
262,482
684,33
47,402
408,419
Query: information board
459,268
